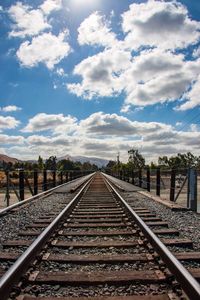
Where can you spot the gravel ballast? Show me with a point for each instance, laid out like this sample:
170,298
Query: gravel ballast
186,222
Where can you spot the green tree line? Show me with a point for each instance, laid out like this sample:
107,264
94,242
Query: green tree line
137,161
50,164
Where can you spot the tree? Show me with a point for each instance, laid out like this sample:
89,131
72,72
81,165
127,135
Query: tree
50,163
65,164
186,160
135,160
111,164
40,163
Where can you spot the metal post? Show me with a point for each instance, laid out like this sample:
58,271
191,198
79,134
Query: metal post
158,182
21,184
148,180
35,182
192,190
7,189
54,178
173,184
120,175
140,177
133,177
66,176
128,173
61,177
70,176
44,180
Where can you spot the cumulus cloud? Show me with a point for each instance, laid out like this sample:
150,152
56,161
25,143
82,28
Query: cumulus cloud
49,6
154,76
100,135
160,24
101,74
8,123
157,77
115,125
196,52
9,139
10,108
157,73
55,123
27,21
95,30
32,53
191,96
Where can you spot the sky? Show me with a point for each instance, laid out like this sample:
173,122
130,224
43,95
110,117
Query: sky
98,77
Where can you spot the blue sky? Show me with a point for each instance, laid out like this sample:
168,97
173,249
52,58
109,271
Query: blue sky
95,77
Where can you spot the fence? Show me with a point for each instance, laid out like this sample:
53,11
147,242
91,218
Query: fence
20,184
176,185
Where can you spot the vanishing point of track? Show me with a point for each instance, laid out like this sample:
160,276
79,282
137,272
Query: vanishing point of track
97,248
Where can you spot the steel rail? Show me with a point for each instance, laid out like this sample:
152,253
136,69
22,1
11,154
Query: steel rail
40,195
188,283
13,275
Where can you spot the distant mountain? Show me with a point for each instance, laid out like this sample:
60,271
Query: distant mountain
93,160
8,159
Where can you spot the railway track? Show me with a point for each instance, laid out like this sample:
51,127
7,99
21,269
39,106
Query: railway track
98,248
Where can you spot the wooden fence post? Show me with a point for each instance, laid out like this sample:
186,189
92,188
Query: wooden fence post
148,180
140,177
133,177
173,185
44,180
158,182
21,184
7,188
54,178
61,177
66,177
192,189
35,182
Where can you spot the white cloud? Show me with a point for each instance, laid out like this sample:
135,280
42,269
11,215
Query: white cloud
101,74
10,108
27,21
9,139
192,96
157,77
196,52
100,135
55,123
154,76
48,6
161,24
46,48
8,123
39,140
115,125
95,30
60,72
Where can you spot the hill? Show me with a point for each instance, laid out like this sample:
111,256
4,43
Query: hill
93,160
8,159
